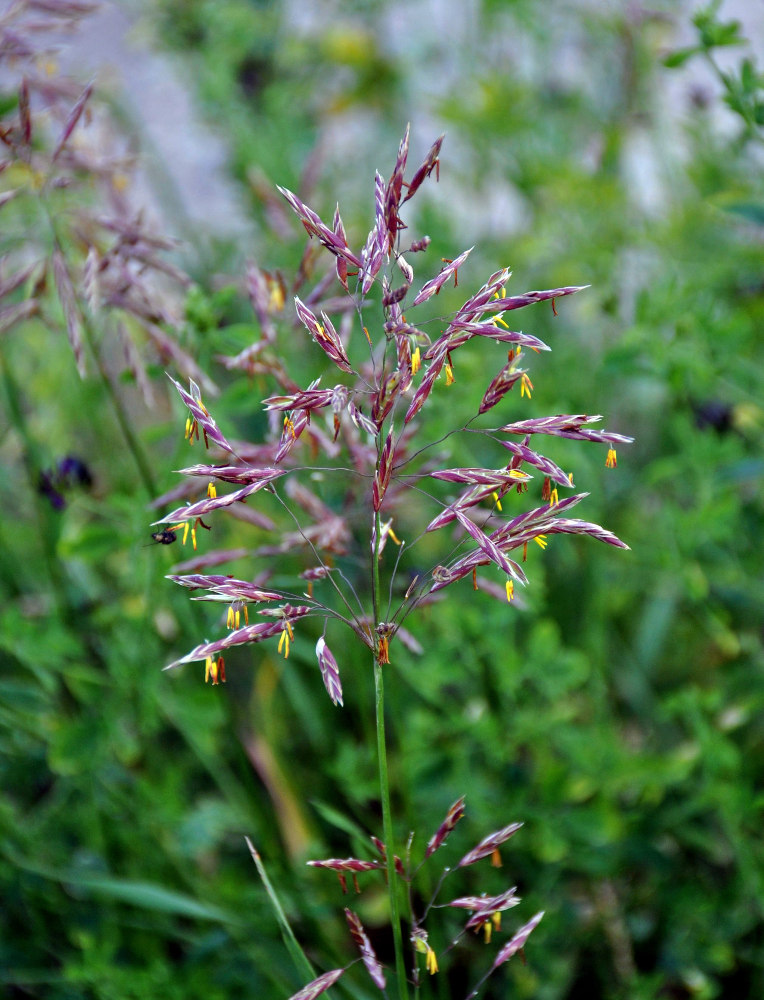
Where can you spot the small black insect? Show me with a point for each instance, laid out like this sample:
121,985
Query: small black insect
165,537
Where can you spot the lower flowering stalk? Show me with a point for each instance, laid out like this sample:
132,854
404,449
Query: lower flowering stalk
484,911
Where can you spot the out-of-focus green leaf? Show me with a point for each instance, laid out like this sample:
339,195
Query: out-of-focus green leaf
750,211
150,897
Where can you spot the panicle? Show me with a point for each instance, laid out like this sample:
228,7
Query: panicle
454,814
334,242
347,865
486,904
225,588
518,941
325,335
74,116
504,304
435,284
431,162
68,299
500,385
392,197
262,300
380,846
368,954
203,507
377,243
356,417
568,426
241,475
309,399
491,550
200,417
540,462
244,636
383,472
488,845
341,263
477,304
426,385
330,672
318,986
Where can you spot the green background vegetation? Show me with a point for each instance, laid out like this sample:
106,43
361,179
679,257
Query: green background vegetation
620,715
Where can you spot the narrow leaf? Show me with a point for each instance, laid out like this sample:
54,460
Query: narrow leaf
299,957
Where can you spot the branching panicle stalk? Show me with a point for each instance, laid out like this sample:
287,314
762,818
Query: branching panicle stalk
349,416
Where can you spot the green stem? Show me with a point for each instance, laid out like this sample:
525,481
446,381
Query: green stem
384,788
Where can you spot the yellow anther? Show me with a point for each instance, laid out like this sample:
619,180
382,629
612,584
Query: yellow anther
510,588
276,297
192,429
526,386
611,461
431,961
496,500
287,635
394,537
416,361
422,946
541,541
553,497
449,375
211,491
284,643
215,669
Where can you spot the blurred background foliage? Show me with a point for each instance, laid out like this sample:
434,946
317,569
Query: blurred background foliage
619,714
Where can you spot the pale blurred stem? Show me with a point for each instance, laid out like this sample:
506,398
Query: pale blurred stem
45,530
132,442
384,785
